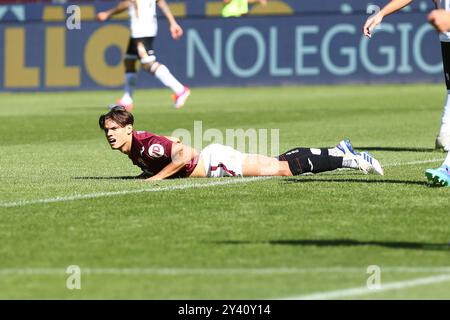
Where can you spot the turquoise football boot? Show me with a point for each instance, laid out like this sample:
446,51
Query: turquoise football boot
439,177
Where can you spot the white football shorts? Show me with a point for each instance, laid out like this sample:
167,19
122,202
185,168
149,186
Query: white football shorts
222,161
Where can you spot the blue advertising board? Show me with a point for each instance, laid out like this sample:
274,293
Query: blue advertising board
11,10
321,48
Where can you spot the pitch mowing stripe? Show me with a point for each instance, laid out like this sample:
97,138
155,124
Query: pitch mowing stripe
217,271
353,292
125,192
171,188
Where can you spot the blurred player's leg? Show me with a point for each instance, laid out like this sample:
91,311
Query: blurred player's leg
131,57
443,139
180,92
440,176
161,72
130,84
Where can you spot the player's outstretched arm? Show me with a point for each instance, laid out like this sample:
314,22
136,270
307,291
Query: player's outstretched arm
181,155
175,30
121,6
375,20
440,19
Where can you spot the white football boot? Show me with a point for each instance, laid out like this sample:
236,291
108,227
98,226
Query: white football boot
362,161
369,164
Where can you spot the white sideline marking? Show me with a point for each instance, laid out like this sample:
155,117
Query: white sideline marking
218,271
351,292
170,188
397,164
125,192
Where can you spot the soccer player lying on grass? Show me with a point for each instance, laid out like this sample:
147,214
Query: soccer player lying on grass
162,157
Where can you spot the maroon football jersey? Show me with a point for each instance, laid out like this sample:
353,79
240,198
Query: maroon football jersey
152,153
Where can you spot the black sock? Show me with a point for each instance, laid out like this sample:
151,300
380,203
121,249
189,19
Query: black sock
304,160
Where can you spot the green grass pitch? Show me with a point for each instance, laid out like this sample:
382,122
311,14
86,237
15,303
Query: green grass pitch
256,239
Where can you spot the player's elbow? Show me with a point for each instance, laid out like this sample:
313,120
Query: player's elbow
183,154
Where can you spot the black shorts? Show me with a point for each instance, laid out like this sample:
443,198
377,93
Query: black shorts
132,52
445,46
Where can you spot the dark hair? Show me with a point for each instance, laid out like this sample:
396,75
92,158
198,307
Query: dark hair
119,115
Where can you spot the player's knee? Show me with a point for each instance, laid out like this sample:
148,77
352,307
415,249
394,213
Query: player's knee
283,169
151,65
148,59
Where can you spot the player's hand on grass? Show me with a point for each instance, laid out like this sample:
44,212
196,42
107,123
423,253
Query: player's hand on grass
371,24
440,19
176,31
102,16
